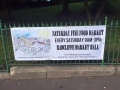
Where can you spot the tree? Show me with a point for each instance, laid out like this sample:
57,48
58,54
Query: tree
65,6
7,9
91,18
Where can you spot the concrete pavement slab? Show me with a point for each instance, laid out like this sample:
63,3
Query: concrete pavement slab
98,70
65,71
4,75
28,72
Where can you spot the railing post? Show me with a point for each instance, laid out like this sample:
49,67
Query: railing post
4,48
106,21
104,50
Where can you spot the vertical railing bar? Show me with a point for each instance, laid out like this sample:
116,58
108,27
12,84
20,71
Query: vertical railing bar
42,24
118,50
75,24
56,24
28,25
80,24
61,24
110,41
46,24
14,25
66,24
1,49
37,25
5,26
51,24
9,25
104,50
85,23
70,24
19,25
99,22
33,25
114,41
11,41
79,61
6,43
94,22
89,23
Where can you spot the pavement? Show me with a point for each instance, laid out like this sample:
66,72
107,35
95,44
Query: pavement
72,83
37,72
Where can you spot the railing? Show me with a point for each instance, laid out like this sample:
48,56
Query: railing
111,53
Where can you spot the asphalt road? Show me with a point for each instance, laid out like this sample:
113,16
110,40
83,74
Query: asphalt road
79,83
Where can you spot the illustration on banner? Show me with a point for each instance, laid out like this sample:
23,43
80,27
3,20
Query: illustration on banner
31,42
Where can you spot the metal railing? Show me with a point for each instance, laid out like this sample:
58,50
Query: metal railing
111,53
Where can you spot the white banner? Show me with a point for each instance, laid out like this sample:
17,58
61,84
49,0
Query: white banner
59,43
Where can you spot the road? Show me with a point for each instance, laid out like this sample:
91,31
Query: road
78,83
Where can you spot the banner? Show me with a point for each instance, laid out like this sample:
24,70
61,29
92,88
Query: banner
59,43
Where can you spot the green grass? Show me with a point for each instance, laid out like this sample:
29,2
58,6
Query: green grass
49,14
52,14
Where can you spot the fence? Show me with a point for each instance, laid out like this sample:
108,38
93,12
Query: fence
111,53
